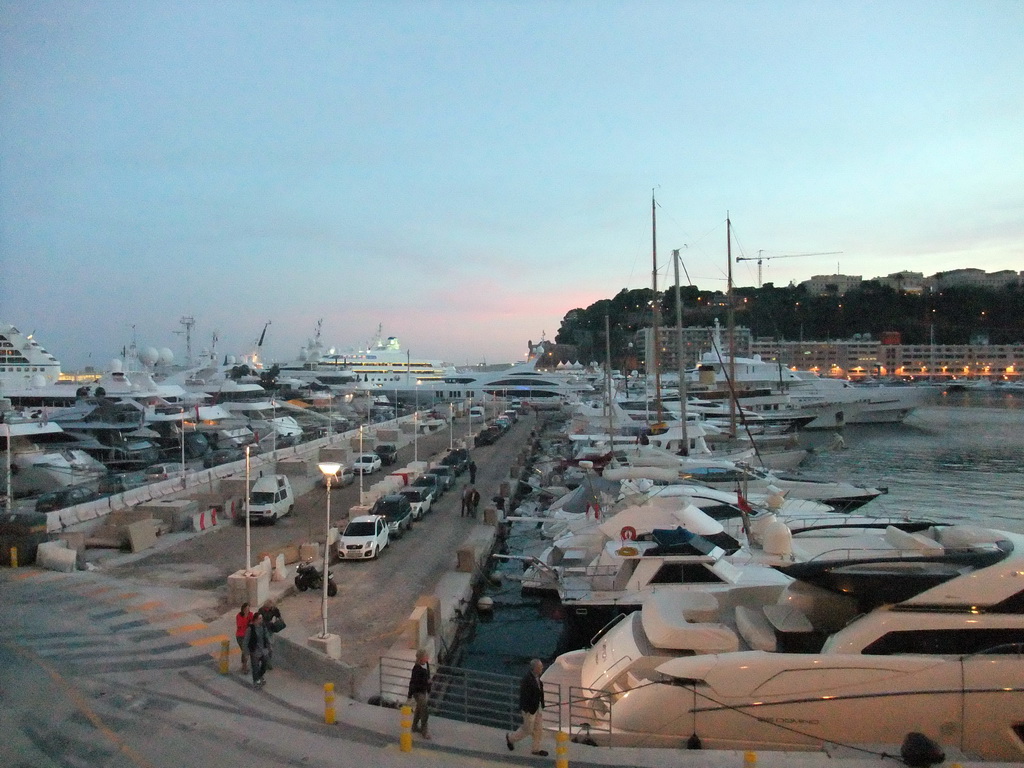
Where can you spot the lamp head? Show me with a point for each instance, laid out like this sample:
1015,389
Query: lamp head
329,468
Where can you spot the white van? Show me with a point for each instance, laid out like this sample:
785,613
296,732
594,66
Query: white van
477,412
271,498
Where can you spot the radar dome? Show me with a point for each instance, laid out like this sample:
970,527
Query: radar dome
116,366
149,356
229,360
166,356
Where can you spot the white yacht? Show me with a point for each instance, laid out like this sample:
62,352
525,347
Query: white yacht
834,402
23,362
41,458
880,634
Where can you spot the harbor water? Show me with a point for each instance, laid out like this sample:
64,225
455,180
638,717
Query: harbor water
960,459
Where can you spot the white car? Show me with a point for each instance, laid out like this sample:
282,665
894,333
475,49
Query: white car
366,463
420,499
364,538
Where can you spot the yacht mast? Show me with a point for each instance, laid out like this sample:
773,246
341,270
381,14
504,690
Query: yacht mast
684,443
656,321
731,316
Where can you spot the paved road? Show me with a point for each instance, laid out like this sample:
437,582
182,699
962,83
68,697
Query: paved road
373,597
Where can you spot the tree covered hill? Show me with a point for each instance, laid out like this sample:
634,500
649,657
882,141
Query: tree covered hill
959,315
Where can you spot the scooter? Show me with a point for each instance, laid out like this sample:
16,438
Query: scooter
308,576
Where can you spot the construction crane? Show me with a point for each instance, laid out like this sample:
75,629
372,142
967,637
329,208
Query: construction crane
761,258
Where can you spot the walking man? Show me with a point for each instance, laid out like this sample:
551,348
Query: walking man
474,500
472,471
531,706
273,622
257,640
419,692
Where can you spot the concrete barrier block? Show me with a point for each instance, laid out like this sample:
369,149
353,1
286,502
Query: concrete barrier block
86,513
53,522
414,630
432,603
55,556
466,560
295,467
280,573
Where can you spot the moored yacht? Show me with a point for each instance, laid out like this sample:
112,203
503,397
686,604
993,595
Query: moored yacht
879,635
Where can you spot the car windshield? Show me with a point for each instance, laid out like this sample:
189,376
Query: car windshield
360,529
262,497
413,495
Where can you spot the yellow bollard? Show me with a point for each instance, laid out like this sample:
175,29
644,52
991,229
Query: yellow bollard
225,656
750,760
14,557
561,750
329,703
405,740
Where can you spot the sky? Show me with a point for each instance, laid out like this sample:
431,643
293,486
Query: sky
462,174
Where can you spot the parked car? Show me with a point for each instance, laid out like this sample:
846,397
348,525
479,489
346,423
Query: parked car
119,482
396,509
364,538
388,453
366,463
446,473
458,459
512,415
223,456
432,483
488,436
420,499
344,476
164,471
65,497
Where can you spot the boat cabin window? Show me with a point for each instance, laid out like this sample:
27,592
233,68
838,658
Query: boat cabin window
685,573
942,641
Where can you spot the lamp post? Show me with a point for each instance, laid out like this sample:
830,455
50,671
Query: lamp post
273,425
181,442
9,496
248,492
416,427
469,421
360,468
330,471
451,425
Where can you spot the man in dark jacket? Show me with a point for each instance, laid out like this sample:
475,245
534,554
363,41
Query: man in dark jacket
419,692
257,641
531,706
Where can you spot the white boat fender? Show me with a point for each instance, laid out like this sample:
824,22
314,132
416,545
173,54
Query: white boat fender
485,604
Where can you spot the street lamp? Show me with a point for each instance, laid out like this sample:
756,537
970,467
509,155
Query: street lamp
330,471
248,492
360,468
181,441
416,426
451,425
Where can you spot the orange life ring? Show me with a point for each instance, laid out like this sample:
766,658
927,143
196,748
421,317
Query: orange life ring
628,533
627,551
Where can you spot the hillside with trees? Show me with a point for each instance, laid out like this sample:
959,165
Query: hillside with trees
960,315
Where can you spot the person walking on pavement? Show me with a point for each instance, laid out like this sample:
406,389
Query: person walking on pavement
242,620
274,623
465,501
474,500
472,471
531,706
257,641
419,692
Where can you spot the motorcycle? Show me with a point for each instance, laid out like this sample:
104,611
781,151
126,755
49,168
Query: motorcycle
308,576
